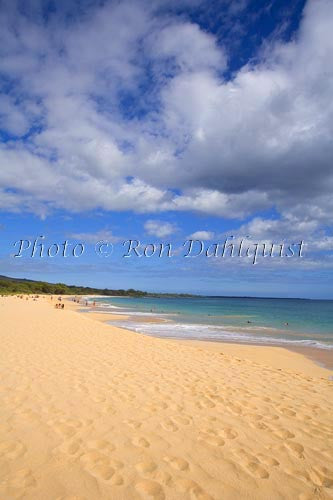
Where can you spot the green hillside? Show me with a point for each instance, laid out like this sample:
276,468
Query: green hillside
10,286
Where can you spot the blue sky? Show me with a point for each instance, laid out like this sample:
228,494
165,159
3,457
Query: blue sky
164,121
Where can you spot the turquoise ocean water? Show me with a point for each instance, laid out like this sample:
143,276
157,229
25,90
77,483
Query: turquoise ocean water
252,320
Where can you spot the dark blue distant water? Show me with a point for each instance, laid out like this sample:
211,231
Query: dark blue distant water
276,321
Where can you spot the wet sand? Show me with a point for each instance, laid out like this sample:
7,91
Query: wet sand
321,357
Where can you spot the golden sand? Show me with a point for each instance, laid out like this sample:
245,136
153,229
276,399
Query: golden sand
91,411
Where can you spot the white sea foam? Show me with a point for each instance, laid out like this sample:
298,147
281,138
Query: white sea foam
208,332
124,310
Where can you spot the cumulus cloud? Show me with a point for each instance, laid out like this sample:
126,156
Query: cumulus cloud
185,48
159,228
289,229
201,235
129,108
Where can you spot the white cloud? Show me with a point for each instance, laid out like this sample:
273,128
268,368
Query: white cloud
159,228
201,235
229,147
289,229
324,243
12,118
188,47
214,202
272,229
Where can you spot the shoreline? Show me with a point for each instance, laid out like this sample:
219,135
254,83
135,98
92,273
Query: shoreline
320,357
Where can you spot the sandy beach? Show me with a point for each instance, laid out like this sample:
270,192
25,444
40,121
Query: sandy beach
91,411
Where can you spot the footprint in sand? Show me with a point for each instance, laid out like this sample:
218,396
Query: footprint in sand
295,449
320,479
252,464
176,407
205,403
216,398
101,444
288,412
228,433
163,477
257,470
82,388
23,479
117,480
259,425
177,463
169,426
321,476
96,461
272,416
116,464
97,465
211,438
181,420
70,447
109,410
269,461
235,409
134,424
146,467
67,428
141,442
192,489
11,450
101,471
150,489
284,434
300,474
254,416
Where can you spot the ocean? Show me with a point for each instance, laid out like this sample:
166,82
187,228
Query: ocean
294,322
